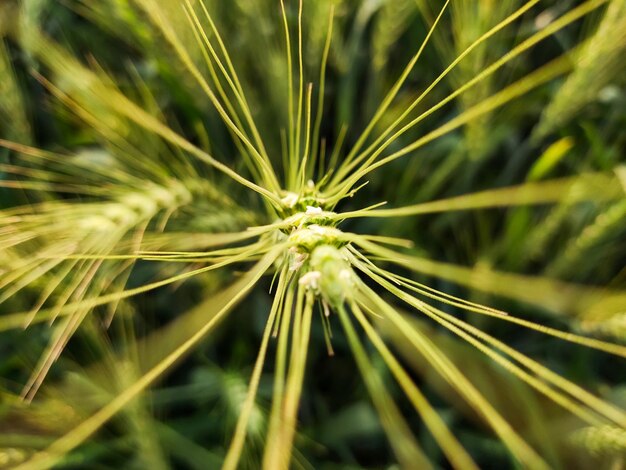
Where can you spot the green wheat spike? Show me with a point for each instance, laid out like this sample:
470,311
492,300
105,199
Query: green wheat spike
391,22
214,220
597,65
593,236
603,440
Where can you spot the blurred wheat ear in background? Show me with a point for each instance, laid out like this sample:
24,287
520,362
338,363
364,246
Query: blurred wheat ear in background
312,234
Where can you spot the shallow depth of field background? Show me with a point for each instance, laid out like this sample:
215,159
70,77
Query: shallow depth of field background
566,127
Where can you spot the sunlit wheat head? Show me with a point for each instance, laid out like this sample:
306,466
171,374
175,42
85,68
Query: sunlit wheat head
279,207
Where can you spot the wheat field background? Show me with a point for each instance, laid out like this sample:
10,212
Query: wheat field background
315,234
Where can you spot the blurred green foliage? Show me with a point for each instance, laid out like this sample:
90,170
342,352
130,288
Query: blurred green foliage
568,126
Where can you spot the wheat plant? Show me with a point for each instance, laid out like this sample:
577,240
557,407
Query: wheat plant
213,187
